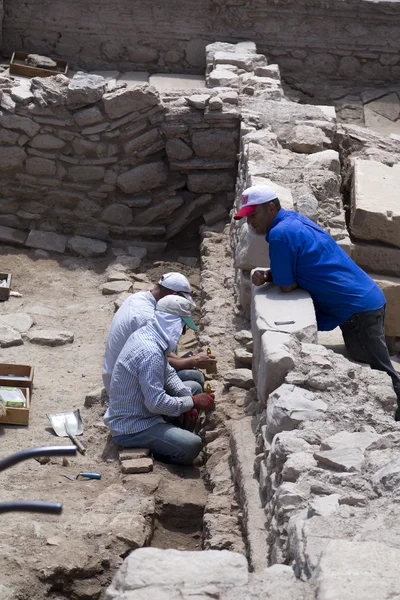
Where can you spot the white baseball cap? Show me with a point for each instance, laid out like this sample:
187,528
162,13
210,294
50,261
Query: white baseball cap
252,196
177,283
179,306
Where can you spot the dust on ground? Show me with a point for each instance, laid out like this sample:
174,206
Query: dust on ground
49,556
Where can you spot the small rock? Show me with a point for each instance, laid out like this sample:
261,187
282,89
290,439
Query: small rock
118,276
244,357
50,337
242,378
324,506
133,453
21,322
198,100
137,465
65,462
53,541
115,287
9,337
43,460
215,103
342,459
243,336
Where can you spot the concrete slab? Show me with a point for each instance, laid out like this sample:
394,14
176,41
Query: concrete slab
169,81
133,77
375,207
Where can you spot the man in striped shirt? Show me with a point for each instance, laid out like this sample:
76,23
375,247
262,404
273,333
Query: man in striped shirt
146,391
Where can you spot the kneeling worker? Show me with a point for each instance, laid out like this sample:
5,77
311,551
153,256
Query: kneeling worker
145,390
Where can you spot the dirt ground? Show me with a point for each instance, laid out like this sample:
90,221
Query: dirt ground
45,556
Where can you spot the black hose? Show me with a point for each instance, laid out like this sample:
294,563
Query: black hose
13,459
48,508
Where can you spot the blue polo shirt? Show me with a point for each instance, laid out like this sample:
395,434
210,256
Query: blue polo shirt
303,253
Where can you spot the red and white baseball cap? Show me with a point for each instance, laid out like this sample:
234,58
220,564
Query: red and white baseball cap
252,197
177,283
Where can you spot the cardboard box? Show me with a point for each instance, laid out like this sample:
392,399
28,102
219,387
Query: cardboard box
18,416
19,67
5,289
16,376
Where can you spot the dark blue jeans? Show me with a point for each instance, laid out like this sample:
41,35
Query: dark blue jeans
364,337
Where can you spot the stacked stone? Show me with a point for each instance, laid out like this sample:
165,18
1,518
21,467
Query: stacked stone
238,66
289,148
79,161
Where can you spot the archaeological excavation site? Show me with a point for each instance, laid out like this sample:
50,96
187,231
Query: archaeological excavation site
131,136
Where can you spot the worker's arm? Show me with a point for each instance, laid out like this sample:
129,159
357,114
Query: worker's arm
198,361
283,259
287,288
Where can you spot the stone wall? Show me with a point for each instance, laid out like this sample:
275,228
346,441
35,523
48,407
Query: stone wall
355,41
80,159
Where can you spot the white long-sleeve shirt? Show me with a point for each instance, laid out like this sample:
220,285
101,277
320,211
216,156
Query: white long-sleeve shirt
144,386
135,312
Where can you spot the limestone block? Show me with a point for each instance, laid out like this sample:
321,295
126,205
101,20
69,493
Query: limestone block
174,569
22,95
86,247
270,306
215,103
345,439
375,258
242,356
50,337
8,137
86,174
11,157
306,139
178,149
88,116
288,496
46,240
21,322
9,337
116,287
251,249
388,477
324,506
214,215
198,100
136,98
387,106
327,159
221,77
289,405
144,177
141,141
349,570
245,61
8,235
390,286
214,143
160,210
306,202
375,208
50,91
46,141
296,464
118,214
137,465
341,459
130,453
211,182
274,362
84,89
241,378
40,166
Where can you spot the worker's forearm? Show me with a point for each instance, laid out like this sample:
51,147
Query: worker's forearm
179,364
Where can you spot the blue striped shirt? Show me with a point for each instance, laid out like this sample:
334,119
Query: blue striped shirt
144,386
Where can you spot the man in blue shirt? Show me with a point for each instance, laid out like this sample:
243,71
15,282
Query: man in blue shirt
304,255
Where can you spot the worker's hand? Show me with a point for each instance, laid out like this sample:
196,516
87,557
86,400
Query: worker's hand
201,360
203,401
188,419
260,277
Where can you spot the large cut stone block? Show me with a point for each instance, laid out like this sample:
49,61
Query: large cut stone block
375,208
142,178
251,249
46,241
276,359
270,308
390,286
375,258
127,100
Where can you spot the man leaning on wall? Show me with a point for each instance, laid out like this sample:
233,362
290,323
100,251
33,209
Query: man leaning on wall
303,255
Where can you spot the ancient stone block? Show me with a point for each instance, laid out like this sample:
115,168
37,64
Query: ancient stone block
341,459
178,149
187,214
118,214
211,182
88,173
9,337
40,166
306,139
86,247
214,143
390,286
84,89
124,101
88,116
137,465
50,337
375,258
273,363
251,249
12,236
50,91
8,137
46,241
214,215
159,210
46,141
372,220
242,378
142,178
116,287
327,159
150,137
11,157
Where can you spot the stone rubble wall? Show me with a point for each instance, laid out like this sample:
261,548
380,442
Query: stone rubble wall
78,159
354,41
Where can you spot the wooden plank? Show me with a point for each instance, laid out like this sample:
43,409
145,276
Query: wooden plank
18,416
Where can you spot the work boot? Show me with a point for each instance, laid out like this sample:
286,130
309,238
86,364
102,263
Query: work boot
397,414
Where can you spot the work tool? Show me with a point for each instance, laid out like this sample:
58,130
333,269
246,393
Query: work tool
70,425
84,475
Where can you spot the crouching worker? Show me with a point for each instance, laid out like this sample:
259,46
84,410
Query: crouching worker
146,393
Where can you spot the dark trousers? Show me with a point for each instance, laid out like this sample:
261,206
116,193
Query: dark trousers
364,336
